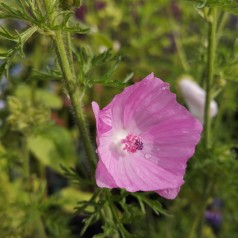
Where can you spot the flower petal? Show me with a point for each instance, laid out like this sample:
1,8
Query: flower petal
103,118
169,193
134,172
103,178
172,142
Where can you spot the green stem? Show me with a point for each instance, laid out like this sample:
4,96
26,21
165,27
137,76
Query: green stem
47,5
69,44
210,76
207,119
198,222
178,42
198,218
115,216
26,165
224,16
181,53
109,218
40,228
74,94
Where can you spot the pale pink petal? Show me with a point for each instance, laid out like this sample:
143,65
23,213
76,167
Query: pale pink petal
134,172
169,193
103,118
103,178
168,129
159,106
172,142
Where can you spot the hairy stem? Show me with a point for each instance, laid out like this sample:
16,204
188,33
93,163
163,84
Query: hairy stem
74,94
210,76
69,44
207,119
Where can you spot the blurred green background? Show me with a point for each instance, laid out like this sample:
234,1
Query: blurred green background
127,40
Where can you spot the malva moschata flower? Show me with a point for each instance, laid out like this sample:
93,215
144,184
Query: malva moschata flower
144,139
195,97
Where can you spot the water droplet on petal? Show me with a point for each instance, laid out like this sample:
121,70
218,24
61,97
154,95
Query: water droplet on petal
147,156
164,87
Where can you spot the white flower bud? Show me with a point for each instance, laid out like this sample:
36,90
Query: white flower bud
195,97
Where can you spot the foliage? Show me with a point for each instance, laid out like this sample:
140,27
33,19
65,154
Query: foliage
47,180
225,5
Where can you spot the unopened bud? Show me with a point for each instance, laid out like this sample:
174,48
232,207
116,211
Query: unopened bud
195,97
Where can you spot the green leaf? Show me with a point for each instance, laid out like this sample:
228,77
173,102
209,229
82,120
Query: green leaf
75,178
76,29
51,100
155,205
48,74
53,148
20,39
7,11
6,34
225,5
83,205
89,221
70,196
24,36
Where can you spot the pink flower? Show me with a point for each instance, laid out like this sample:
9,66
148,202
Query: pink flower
144,139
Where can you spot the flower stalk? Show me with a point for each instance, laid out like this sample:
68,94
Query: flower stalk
74,94
210,75
66,65
207,116
115,217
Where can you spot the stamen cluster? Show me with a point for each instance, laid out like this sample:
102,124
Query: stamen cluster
132,143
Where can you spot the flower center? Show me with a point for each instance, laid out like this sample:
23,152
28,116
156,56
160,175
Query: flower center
132,143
